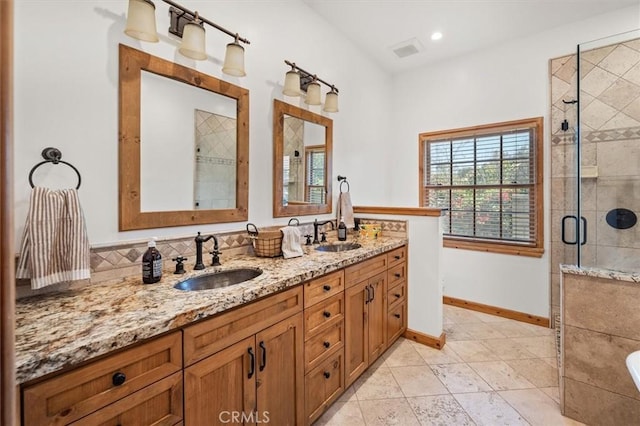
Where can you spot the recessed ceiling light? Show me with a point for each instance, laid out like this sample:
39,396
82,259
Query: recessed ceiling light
436,36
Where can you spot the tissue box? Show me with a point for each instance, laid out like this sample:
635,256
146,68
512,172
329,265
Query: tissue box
370,231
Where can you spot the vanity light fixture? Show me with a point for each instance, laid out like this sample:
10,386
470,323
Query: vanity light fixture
188,25
298,80
313,93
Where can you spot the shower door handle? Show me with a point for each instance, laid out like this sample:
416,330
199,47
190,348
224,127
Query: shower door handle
583,233
564,229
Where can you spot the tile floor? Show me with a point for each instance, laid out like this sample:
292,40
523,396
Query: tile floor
492,371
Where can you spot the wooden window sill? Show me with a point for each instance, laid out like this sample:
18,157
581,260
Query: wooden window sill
491,247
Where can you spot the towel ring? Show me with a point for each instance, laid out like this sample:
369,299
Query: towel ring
53,155
343,180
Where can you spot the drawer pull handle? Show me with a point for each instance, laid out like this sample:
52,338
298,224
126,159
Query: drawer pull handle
118,379
263,363
252,362
327,344
396,315
397,295
397,257
327,374
397,275
326,314
326,287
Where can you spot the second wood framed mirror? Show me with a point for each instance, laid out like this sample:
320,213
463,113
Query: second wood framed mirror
302,154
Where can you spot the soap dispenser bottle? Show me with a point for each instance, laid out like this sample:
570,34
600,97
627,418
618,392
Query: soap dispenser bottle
151,264
342,230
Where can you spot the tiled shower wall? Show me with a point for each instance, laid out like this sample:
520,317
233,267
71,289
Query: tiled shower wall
215,180
610,128
294,142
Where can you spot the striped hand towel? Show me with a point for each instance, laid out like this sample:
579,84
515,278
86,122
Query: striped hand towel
55,245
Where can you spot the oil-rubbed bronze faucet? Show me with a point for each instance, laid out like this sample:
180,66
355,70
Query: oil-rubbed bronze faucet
316,224
215,260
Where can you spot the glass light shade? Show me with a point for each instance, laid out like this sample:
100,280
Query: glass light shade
292,83
331,101
234,60
141,21
313,94
192,45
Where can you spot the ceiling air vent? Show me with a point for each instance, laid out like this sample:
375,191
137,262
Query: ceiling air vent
407,48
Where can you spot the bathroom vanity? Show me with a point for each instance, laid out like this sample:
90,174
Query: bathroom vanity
279,348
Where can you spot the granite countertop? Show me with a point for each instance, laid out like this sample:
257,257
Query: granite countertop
633,277
57,331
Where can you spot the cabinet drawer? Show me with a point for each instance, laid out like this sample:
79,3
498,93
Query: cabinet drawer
321,315
322,288
70,396
319,347
323,385
397,256
396,294
212,335
397,274
396,322
159,404
363,270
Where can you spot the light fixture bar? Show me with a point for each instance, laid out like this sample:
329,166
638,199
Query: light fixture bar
306,77
178,21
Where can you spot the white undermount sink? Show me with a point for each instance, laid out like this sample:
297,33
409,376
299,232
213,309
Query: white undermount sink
633,364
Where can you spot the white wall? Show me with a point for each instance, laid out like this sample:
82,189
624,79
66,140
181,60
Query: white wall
66,92
504,83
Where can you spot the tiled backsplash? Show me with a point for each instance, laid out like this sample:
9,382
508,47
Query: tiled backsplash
119,261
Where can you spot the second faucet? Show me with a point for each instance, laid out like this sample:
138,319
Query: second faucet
316,224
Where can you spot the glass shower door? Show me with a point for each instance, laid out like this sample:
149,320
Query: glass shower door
607,167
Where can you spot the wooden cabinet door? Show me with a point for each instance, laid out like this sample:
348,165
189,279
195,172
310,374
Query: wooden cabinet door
280,373
356,336
377,316
221,386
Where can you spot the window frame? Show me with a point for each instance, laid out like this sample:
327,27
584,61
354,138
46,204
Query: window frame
533,249
309,152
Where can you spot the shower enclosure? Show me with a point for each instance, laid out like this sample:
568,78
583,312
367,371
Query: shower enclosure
595,157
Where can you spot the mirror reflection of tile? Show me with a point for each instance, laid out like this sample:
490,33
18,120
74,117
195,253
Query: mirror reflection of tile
215,154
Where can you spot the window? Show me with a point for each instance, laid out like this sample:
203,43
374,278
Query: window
489,179
314,188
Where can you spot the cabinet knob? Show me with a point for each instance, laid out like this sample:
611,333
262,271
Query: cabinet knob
326,314
326,287
397,295
327,374
397,275
397,257
396,315
326,344
118,379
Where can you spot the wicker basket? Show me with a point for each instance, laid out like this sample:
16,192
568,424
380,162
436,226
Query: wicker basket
266,243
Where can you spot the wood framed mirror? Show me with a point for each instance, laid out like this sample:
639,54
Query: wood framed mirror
183,145
302,153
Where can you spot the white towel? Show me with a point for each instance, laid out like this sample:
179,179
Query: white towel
291,242
55,246
345,210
